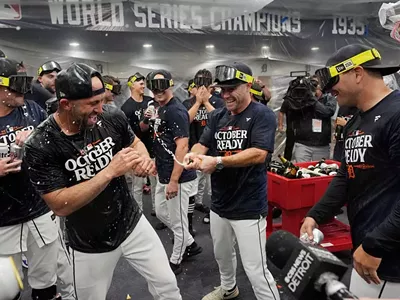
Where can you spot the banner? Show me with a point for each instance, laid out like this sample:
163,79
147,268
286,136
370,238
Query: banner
134,16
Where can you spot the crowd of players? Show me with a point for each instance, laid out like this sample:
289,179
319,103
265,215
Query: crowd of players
86,162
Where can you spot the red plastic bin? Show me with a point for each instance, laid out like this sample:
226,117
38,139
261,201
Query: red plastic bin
292,194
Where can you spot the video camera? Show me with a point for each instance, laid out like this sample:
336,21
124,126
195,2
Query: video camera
301,91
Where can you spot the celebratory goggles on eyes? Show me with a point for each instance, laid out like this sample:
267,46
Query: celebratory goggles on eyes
160,84
18,83
200,81
329,76
49,67
115,89
191,86
227,73
136,77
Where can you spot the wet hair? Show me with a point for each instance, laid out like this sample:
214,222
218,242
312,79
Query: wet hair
203,73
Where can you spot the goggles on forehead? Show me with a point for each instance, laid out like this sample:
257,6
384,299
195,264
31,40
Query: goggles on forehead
136,77
49,67
200,81
18,83
226,73
160,84
115,89
329,76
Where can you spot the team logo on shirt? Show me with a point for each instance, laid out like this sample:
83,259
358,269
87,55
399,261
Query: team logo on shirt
201,116
230,140
356,146
94,158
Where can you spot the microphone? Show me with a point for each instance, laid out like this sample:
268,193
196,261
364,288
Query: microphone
306,270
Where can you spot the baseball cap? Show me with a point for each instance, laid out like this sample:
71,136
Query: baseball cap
13,76
233,75
160,84
75,82
48,67
352,50
136,77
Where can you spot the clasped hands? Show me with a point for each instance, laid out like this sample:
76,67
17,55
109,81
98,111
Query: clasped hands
204,163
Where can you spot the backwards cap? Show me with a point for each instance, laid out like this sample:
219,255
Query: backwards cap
49,67
75,82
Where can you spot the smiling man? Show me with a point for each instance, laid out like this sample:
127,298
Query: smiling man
368,179
78,158
240,135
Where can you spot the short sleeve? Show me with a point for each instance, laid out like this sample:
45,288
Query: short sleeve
263,131
120,121
208,132
46,174
284,108
178,120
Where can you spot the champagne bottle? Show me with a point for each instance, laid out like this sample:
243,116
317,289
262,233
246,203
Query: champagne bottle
292,172
286,163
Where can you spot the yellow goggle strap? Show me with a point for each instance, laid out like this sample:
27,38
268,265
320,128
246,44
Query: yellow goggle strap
4,81
244,77
108,86
353,62
191,87
133,79
171,82
40,70
257,93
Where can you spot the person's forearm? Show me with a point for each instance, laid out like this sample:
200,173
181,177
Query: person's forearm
199,149
68,200
385,238
280,119
208,107
193,111
180,153
140,147
248,157
332,201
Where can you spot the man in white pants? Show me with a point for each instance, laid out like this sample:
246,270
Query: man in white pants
134,109
26,223
368,179
241,134
78,158
175,185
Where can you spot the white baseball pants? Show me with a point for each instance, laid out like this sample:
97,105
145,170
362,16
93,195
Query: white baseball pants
385,290
251,238
143,250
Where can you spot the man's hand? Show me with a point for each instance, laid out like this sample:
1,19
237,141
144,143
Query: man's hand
207,164
146,168
124,161
341,121
281,129
192,161
366,265
307,227
202,95
171,191
6,166
21,137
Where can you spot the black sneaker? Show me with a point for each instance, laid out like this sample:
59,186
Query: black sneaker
206,219
192,250
153,213
202,208
175,268
160,226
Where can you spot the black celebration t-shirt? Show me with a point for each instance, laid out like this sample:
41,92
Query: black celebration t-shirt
240,193
171,123
19,201
134,111
200,120
59,161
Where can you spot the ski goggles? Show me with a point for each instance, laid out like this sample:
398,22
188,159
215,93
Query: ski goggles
200,81
49,67
257,93
115,89
329,76
227,73
136,77
18,83
160,84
